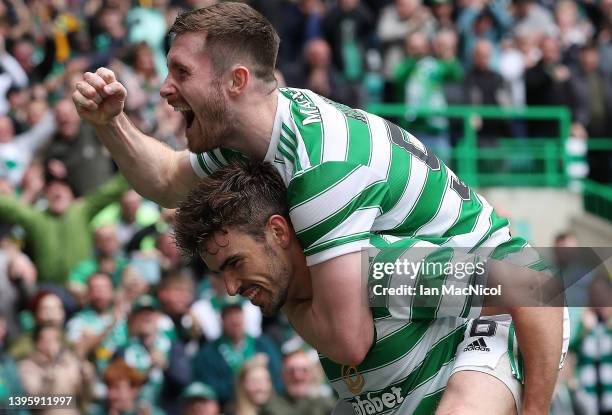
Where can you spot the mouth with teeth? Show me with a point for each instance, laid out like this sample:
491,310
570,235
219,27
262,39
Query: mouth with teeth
187,113
253,294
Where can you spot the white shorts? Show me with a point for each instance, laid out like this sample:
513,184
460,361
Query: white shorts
490,346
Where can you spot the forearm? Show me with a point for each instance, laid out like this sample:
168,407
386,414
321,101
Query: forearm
147,164
539,332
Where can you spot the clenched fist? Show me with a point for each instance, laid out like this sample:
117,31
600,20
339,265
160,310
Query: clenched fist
99,97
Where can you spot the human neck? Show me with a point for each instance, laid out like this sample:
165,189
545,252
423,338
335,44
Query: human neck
253,128
300,287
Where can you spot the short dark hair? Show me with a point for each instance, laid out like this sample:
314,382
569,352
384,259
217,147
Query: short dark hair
240,195
233,30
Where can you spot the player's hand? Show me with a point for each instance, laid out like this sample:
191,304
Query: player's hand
99,97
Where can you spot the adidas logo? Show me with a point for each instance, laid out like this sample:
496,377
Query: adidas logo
479,345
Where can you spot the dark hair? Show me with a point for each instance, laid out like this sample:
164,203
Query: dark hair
233,31
240,195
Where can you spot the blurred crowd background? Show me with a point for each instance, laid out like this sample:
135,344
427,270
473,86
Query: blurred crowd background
95,299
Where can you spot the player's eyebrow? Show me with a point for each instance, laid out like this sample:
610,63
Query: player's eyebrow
229,260
173,63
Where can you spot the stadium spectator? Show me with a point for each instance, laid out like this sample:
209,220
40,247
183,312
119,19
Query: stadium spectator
199,399
17,151
107,259
17,285
301,22
10,382
218,362
531,17
152,350
124,384
298,371
111,35
518,55
59,238
130,215
591,95
51,369
208,310
482,20
591,105
348,26
23,51
574,30
420,80
147,23
484,86
76,146
100,329
47,309
316,72
546,83
593,348
168,254
443,11
176,292
145,238
253,386
12,76
397,21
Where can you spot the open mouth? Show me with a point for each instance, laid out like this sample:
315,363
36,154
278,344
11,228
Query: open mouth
187,113
252,292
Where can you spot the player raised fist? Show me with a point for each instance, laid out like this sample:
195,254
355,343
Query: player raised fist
99,97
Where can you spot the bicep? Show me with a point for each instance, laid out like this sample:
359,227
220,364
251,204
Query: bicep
339,292
181,179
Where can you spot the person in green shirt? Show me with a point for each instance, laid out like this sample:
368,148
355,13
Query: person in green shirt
58,238
419,82
107,258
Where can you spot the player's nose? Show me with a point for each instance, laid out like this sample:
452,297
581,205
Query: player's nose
167,89
231,284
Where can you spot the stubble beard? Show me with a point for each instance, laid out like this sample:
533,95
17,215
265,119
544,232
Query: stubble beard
217,125
281,277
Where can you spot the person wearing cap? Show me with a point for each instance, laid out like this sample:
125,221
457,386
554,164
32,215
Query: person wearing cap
60,237
219,362
199,399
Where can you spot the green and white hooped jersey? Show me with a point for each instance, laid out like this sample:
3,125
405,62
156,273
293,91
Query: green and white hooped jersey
351,178
408,367
349,173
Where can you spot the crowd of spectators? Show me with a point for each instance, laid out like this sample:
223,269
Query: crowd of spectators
95,299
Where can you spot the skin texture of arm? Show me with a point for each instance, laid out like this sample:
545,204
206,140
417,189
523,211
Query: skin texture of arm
336,320
539,330
153,169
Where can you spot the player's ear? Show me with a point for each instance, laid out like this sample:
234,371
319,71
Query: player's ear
279,230
239,79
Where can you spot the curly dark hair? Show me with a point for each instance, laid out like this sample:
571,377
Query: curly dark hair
241,195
